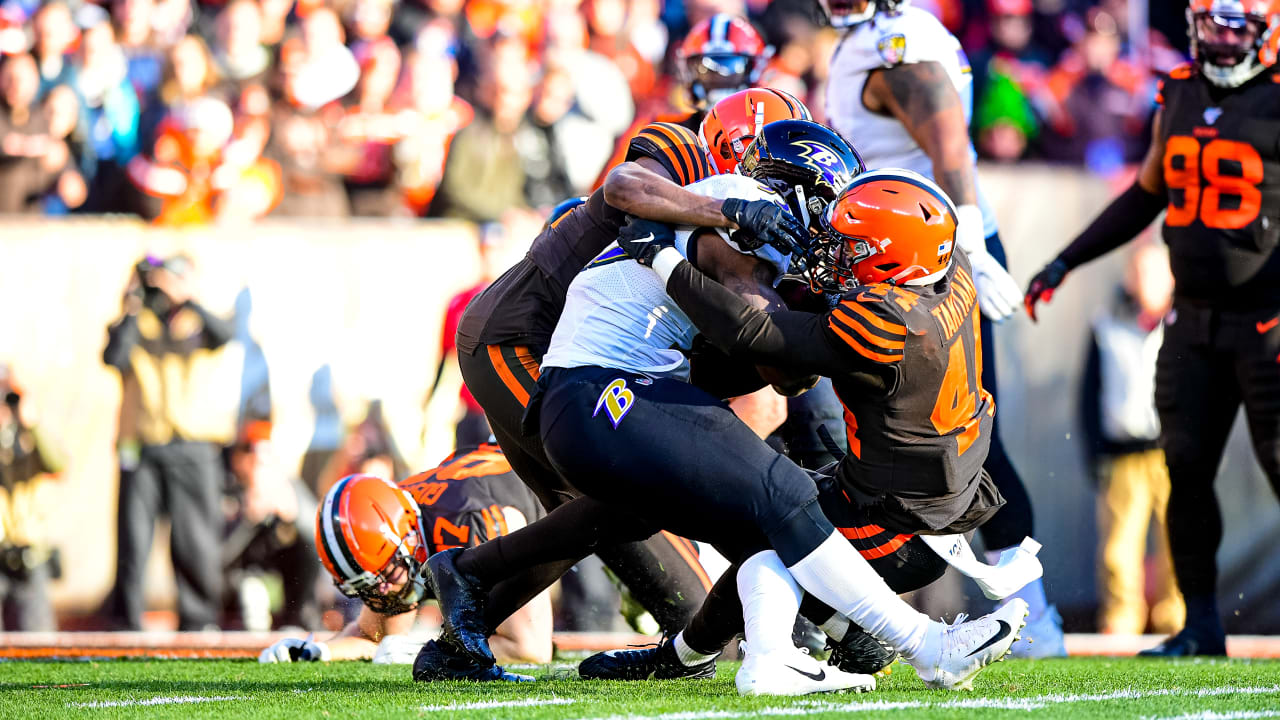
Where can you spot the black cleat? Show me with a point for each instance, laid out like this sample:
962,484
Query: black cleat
461,605
655,661
860,653
1190,641
443,660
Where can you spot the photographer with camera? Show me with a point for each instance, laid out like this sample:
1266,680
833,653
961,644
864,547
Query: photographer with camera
27,470
178,412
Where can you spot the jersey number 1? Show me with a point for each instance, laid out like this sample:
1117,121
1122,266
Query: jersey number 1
1184,167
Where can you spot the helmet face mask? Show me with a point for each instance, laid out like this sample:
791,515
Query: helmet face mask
1233,41
720,56
398,587
848,13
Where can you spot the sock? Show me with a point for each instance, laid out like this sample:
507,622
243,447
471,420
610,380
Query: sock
719,618
770,602
688,656
1202,612
836,627
837,575
1032,592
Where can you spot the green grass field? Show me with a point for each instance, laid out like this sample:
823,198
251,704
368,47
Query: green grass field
1074,688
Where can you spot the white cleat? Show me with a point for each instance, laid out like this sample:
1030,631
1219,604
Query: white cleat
795,673
1042,637
956,653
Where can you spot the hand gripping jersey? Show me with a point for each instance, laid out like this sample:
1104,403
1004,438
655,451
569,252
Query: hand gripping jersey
1222,169
889,39
522,306
462,499
617,313
923,445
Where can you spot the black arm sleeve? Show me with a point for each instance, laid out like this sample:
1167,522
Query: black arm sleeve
719,374
1123,219
785,339
217,332
121,338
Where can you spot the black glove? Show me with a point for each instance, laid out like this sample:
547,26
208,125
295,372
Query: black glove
1043,284
641,239
766,223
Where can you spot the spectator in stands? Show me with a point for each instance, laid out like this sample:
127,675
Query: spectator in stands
369,130
270,529
1007,75
1099,102
55,38
433,115
28,468
111,114
613,36
62,108
486,154
1122,430
144,56
181,397
24,137
368,449
318,66
239,52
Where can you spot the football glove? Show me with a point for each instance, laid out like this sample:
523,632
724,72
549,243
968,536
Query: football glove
397,650
1043,284
998,293
766,223
642,239
295,650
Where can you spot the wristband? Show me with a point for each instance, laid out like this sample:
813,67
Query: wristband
665,263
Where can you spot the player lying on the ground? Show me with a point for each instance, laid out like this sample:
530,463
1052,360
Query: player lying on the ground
901,350
373,538
505,330
619,419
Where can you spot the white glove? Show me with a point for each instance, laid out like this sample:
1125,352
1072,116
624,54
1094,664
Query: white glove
295,650
397,650
998,293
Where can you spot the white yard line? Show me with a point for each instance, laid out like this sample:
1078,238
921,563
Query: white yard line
487,704
174,700
1034,702
1233,715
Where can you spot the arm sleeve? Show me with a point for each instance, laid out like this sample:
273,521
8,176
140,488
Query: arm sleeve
217,332
1126,216
121,338
720,374
785,339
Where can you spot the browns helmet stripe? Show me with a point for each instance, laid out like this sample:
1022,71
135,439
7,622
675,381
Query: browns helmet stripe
343,559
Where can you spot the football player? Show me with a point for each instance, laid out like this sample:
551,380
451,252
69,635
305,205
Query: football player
504,332
618,417
901,85
1214,165
373,537
901,349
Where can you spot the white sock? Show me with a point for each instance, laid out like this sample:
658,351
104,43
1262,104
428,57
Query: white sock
1032,592
837,575
687,655
770,602
836,627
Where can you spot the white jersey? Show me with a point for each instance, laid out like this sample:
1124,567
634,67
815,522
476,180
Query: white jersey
888,39
617,313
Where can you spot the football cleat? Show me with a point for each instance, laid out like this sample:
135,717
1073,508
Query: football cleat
860,653
1190,641
461,606
444,660
1042,637
956,653
792,672
655,661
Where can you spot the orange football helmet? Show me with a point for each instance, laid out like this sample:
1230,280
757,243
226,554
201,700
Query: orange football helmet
370,539
719,56
893,226
1233,41
732,123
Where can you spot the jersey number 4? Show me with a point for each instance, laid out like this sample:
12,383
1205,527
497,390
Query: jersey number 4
956,408
1223,168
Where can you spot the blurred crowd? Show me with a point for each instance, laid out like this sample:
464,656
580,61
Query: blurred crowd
190,112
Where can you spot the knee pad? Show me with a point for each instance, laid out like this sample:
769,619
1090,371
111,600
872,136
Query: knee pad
910,567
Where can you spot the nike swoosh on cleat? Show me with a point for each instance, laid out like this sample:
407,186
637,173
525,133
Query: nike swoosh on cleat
1264,327
817,677
1004,631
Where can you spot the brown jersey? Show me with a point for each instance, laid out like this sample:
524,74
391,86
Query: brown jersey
918,447
1222,169
523,305
462,500
905,364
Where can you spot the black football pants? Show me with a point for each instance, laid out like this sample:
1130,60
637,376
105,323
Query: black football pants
661,570
1210,363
